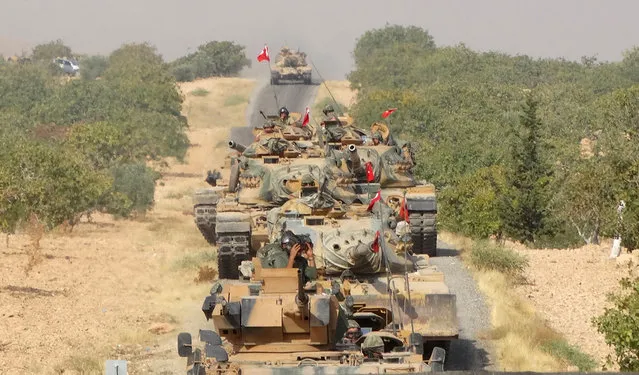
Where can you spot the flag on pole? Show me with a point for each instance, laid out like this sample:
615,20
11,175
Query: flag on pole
307,117
388,112
370,174
375,244
263,56
403,211
376,198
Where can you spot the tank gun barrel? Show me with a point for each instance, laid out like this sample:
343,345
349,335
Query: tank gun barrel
301,299
236,146
356,162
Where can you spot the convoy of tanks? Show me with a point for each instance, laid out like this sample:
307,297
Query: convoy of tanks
351,192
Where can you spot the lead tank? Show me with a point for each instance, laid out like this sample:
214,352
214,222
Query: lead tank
273,324
263,175
291,66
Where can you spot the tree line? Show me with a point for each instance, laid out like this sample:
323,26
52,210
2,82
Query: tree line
537,150
541,151
72,146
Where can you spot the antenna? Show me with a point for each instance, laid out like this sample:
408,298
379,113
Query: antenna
324,82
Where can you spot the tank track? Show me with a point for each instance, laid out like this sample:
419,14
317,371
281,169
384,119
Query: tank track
423,229
205,221
232,250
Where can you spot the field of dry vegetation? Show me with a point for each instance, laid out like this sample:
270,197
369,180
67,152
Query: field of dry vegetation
123,289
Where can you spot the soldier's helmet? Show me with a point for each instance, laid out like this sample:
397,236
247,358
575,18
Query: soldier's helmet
288,240
285,50
353,324
378,136
284,110
372,345
269,125
328,109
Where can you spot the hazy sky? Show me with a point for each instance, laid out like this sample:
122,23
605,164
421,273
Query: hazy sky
327,30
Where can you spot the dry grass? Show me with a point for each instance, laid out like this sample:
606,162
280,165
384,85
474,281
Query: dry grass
523,341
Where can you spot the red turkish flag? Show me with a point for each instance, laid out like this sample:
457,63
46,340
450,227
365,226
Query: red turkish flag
263,56
307,117
370,174
403,211
375,244
388,112
375,199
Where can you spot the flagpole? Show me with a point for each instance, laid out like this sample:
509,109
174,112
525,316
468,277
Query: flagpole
268,58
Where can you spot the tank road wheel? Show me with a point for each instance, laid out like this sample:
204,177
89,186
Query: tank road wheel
205,221
423,229
232,250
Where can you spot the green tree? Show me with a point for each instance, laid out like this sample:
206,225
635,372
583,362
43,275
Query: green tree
525,207
48,51
93,67
215,58
620,325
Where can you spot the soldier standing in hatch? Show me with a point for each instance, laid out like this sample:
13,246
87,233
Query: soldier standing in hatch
289,252
284,117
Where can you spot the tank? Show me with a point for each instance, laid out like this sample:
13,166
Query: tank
375,248
390,171
263,175
273,324
291,66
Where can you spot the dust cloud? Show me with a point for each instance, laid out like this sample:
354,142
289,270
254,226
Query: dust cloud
326,30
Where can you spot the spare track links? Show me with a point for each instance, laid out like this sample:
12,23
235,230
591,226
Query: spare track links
424,232
205,221
232,250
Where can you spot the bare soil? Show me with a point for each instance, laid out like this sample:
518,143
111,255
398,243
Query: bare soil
568,287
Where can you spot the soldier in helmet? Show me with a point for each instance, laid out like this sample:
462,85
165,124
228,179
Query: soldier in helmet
268,131
290,252
377,138
329,113
284,117
373,347
353,333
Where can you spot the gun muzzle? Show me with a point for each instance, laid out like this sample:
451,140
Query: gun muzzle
236,146
356,162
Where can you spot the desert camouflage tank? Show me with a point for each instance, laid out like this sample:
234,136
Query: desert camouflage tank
363,168
291,66
274,324
263,175
372,244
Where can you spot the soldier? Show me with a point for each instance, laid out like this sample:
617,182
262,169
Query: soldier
268,131
290,252
329,113
373,346
353,333
284,117
377,138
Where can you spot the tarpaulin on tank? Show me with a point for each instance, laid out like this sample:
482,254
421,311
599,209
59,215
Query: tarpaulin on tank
275,146
274,177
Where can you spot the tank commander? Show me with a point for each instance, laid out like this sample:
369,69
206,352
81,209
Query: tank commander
329,114
377,138
284,117
290,252
373,347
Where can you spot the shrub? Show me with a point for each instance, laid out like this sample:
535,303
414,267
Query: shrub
620,325
136,182
487,256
